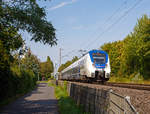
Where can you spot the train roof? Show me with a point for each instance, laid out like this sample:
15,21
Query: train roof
96,51
89,52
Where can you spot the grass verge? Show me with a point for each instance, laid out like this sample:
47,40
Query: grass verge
45,81
138,80
65,103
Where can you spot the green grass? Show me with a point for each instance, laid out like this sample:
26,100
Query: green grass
65,103
45,81
132,79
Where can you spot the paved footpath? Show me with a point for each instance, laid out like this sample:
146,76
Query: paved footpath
39,101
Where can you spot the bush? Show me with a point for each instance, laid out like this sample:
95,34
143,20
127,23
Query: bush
24,79
16,82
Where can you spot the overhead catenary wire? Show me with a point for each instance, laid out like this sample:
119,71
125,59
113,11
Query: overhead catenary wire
113,24
66,55
108,19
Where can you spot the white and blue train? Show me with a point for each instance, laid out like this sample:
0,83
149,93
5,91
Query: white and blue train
93,66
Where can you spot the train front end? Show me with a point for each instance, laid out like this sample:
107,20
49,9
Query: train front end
100,69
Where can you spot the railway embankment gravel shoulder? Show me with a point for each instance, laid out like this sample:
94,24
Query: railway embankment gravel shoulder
140,99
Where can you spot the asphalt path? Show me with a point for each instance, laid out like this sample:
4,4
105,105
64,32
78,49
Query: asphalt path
39,101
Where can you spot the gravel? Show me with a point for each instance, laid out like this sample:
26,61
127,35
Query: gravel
140,99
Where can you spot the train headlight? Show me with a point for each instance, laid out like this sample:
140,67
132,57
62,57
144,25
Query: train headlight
107,75
93,74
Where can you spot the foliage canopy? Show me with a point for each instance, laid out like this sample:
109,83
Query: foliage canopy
46,68
68,63
27,15
18,75
132,55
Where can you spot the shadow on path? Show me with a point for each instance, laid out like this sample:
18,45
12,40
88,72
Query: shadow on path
39,101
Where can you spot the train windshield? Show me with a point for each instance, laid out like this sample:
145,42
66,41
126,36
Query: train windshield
99,58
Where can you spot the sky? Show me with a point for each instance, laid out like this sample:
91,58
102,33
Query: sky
87,25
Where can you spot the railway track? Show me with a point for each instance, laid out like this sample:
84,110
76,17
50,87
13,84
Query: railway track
121,85
129,85
139,93
124,85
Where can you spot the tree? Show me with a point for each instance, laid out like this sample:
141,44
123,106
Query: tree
142,37
31,62
46,68
74,59
50,64
27,15
62,67
68,63
132,55
10,40
114,50
20,15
